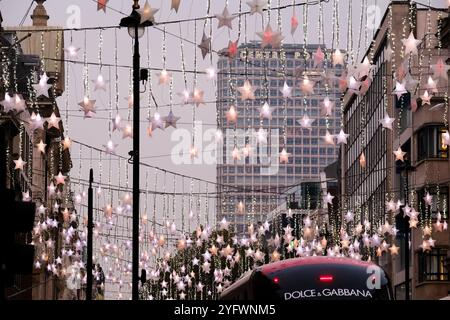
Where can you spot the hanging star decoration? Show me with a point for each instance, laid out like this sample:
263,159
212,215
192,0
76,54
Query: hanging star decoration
60,179
53,121
266,111
147,13
225,19
164,77
175,5
328,198
426,98
127,131
156,122
101,5
36,122
197,97
307,86
232,49
269,37
116,122
440,69
110,147
19,163
42,87
284,156
19,103
257,6
72,51
88,107
41,146
7,103
236,154
327,106
286,91
294,24
66,143
247,91
387,121
100,83
329,138
341,137
171,120
399,89
205,45
432,85
399,154
231,114
306,122
261,135
318,57
411,44
337,58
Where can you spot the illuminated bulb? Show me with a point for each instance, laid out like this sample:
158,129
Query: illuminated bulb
362,160
193,152
67,143
211,72
241,206
164,77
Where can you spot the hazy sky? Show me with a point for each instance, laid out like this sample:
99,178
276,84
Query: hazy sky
156,150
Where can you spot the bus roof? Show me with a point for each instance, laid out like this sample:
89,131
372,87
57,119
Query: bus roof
294,262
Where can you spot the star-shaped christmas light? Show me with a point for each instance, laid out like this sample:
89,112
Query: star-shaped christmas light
19,103
399,154
110,147
387,121
66,143
87,105
171,120
284,156
266,111
318,57
231,114
60,179
236,154
53,121
286,91
294,24
225,19
197,97
261,135
269,37
205,45
428,198
232,49
19,163
247,91
426,98
147,13
329,138
337,58
164,77
175,5
127,131
37,122
327,107
157,122
328,198
440,69
7,103
72,51
41,146
42,87
306,122
257,6
399,89
342,137
307,86
411,44
100,83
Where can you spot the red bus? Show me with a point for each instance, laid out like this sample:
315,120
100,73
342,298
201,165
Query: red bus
312,278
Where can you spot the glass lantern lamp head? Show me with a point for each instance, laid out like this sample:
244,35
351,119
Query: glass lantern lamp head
133,20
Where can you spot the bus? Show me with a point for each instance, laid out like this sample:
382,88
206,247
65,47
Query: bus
312,278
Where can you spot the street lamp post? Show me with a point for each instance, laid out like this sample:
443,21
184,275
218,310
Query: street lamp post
135,30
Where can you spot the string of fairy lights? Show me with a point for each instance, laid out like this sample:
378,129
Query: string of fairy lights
188,254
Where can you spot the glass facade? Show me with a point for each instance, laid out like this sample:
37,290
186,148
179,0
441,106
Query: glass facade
250,188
